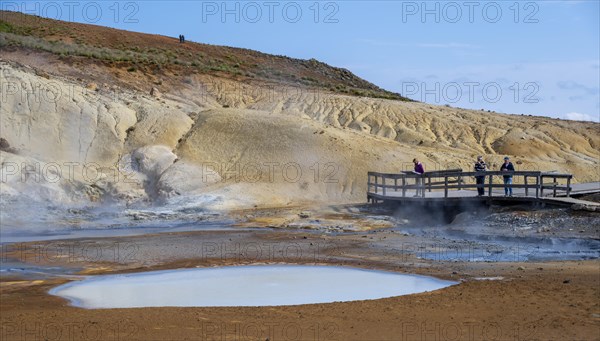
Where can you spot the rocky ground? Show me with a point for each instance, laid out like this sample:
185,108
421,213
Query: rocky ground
495,299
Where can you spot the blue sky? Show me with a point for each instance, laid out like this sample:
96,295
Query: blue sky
522,57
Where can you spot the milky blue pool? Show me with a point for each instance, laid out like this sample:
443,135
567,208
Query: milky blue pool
257,285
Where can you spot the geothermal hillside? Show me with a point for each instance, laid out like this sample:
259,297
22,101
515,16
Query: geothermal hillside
90,114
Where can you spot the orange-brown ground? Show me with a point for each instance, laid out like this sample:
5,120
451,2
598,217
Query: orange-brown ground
533,301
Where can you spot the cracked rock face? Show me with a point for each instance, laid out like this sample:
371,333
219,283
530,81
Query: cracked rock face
69,138
56,121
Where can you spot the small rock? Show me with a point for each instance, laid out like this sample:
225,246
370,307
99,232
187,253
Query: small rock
566,281
585,207
303,215
42,74
4,145
92,86
520,268
154,92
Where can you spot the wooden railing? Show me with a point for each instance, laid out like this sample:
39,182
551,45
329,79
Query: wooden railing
554,185
455,179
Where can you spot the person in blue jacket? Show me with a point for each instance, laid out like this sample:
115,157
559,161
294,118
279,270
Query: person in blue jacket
507,166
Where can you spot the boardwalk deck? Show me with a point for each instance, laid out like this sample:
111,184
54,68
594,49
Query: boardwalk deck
452,187
583,189
570,201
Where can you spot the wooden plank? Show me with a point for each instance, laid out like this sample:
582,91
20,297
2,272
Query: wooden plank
474,186
572,201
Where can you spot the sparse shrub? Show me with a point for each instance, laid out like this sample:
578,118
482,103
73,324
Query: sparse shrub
6,27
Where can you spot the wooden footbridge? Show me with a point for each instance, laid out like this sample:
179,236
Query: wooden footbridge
455,187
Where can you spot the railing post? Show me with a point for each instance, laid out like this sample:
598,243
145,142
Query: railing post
490,185
526,187
376,187
423,185
459,182
396,184
383,181
403,185
539,186
429,183
569,186
554,189
445,186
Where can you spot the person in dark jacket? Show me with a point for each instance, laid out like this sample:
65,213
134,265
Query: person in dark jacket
480,166
419,169
507,166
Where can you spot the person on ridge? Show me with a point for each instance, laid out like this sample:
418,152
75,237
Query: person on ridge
419,169
507,166
480,166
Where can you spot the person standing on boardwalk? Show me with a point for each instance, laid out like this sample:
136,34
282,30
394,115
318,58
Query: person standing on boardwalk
507,166
419,169
480,166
